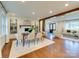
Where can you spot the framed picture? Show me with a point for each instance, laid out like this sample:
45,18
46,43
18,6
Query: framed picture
13,26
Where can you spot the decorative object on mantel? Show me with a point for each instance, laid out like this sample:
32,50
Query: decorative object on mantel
13,26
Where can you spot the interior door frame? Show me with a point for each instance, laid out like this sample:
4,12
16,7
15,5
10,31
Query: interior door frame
53,25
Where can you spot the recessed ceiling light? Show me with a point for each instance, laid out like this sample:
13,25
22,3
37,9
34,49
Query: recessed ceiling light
50,12
66,4
22,1
33,13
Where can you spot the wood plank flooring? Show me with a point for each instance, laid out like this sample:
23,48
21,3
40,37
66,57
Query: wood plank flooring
61,49
6,49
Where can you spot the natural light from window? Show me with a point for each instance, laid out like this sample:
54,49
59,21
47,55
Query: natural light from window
72,25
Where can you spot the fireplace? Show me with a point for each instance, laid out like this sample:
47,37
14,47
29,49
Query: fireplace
25,28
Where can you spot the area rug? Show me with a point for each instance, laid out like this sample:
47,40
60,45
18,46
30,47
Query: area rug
17,51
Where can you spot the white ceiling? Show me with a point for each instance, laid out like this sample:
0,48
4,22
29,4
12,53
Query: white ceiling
41,8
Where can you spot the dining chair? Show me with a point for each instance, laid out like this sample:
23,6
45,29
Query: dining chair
31,38
40,36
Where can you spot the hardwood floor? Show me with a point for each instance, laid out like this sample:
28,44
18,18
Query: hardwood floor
6,49
60,49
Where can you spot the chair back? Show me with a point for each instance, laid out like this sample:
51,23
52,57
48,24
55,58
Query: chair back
31,35
39,35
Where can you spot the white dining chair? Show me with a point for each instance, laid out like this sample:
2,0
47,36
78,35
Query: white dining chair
31,38
40,36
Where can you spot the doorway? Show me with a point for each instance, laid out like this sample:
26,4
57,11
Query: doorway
52,27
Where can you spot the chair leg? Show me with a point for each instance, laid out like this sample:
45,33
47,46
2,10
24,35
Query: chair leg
34,42
16,43
21,42
37,41
28,43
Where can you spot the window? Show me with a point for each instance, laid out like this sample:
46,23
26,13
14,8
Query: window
0,25
3,27
4,24
72,25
